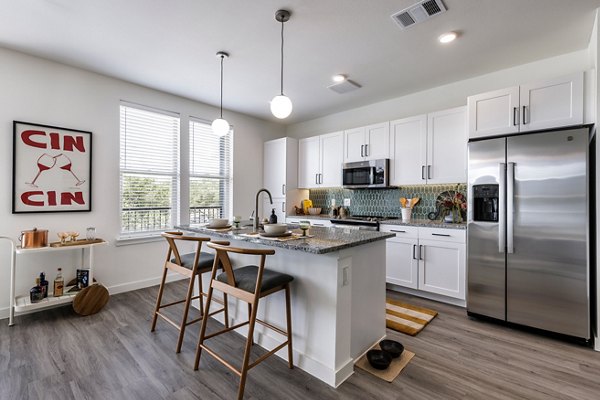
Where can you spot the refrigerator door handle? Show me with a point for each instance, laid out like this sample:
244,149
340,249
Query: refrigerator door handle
502,211
510,194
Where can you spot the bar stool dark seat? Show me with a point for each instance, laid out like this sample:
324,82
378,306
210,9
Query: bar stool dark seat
191,265
249,284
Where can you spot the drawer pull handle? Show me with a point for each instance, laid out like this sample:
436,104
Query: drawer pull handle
394,230
318,225
440,234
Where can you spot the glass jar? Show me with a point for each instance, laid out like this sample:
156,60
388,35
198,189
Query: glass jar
90,233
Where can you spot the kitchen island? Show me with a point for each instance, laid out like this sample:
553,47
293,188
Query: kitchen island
338,295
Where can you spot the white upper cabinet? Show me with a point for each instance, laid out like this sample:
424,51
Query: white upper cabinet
541,105
409,147
280,166
367,143
447,146
320,161
429,148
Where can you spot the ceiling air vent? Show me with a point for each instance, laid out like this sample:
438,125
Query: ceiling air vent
344,87
418,13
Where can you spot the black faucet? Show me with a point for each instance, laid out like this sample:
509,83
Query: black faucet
256,221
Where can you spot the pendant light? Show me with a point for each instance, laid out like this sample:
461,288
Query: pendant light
281,105
220,127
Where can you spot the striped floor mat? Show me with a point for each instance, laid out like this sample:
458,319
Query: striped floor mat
406,318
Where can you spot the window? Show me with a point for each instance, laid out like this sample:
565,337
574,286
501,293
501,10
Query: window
210,173
149,169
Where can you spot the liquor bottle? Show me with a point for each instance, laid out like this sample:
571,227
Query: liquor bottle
44,284
59,284
36,294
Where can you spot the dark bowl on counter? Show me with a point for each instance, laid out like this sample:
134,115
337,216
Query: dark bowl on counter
392,347
379,359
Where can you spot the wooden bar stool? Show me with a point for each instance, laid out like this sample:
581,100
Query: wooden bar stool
191,265
249,284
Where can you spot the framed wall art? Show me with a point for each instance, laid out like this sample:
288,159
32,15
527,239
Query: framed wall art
52,169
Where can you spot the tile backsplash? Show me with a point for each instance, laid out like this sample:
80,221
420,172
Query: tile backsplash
383,202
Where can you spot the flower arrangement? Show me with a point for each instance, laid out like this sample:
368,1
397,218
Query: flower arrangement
454,202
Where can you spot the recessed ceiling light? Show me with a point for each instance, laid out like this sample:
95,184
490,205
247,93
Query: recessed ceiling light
447,37
339,78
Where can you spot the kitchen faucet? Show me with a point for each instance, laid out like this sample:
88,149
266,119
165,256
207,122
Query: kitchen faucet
256,221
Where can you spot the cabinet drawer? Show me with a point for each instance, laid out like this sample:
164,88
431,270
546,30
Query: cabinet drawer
401,231
443,234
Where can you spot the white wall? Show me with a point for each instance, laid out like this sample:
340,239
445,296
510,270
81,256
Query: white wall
447,96
39,91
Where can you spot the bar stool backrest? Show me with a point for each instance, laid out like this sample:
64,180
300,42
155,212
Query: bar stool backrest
173,237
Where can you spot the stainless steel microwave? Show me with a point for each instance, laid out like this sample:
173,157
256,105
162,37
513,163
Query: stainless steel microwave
366,174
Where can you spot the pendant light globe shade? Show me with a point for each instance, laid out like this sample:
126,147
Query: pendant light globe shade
220,127
281,106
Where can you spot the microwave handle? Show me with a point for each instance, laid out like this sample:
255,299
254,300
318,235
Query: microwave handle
366,150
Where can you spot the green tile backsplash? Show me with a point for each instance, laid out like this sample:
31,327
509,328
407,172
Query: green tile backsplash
383,202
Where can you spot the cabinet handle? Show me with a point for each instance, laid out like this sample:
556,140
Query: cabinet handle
283,207
423,172
283,189
515,116
524,115
366,150
414,249
440,234
394,230
429,172
321,178
421,252
362,147
316,179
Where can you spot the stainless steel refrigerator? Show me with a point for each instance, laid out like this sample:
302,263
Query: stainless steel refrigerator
528,233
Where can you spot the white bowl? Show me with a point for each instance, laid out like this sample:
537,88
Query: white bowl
218,222
274,229
314,210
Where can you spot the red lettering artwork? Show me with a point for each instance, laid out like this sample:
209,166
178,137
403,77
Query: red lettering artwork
69,142
38,198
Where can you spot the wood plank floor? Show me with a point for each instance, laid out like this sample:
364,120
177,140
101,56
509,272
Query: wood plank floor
112,355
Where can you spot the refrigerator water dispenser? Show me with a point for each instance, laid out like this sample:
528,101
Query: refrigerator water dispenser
485,203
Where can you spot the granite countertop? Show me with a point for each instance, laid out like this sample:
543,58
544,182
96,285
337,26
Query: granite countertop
324,240
425,223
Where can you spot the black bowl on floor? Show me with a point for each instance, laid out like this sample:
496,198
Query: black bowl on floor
392,347
379,359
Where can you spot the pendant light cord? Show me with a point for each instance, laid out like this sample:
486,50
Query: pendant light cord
222,57
282,57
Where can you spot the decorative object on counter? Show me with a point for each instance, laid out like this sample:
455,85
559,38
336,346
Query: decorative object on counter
343,212
59,284
218,223
389,374
36,293
90,233
451,205
90,300
62,236
275,228
298,210
334,212
51,169
34,238
406,318
314,210
83,276
73,236
306,204
236,221
273,217
406,213
304,225
44,284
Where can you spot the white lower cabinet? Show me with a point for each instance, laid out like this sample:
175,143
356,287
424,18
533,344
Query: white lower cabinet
427,259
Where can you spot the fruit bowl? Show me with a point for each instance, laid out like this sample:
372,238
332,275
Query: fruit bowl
314,210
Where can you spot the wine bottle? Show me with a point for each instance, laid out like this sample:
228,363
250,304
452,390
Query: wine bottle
59,284
44,284
36,294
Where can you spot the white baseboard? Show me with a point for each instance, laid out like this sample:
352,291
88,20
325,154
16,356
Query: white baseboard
427,295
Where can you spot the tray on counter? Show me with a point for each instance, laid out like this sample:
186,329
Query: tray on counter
76,242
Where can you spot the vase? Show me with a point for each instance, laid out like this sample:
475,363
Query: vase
456,215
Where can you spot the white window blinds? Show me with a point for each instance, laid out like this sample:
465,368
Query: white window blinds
148,170
210,173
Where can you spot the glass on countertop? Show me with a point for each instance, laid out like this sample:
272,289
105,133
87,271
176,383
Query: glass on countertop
304,225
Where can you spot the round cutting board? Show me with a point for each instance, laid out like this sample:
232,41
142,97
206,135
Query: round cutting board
90,300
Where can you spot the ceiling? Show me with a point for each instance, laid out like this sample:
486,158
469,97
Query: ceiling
171,45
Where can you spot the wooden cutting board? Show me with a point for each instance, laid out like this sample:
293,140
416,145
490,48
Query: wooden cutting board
91,299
